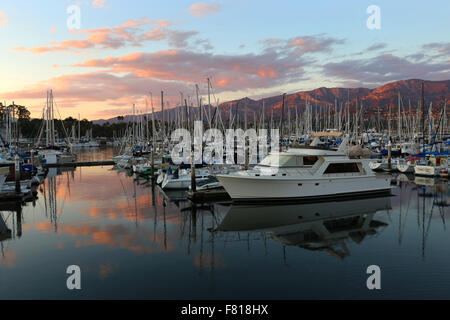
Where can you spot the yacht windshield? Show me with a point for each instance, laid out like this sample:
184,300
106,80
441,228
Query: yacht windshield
280,160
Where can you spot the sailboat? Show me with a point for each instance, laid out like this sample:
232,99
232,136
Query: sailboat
437,166
52,153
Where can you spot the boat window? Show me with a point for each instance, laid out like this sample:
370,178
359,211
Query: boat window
277,160
342,168
309,160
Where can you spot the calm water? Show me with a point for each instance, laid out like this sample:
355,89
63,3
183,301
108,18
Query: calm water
132,241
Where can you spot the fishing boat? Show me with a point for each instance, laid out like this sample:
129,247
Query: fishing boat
283,176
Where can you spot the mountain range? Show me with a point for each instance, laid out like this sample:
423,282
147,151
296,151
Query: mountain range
435,92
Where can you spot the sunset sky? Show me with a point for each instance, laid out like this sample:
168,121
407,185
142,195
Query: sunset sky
126,49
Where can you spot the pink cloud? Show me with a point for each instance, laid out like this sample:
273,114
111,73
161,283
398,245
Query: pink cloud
127,34
99,3
201,9
99,94
3,19
53,30
229,72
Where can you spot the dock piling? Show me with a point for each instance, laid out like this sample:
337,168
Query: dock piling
17,173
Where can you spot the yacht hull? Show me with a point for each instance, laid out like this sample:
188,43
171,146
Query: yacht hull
250,189
405,168
429,171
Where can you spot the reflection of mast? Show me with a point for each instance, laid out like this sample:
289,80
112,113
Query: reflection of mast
201,247
5,232
155,210
192,235
19,219
423,225
212,280
135,203
401,225
50,201
165,226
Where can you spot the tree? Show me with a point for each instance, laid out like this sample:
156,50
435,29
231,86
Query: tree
20,111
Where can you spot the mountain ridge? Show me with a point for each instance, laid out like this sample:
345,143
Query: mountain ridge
436,92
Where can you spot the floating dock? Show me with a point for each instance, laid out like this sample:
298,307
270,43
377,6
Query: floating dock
211,195
81,164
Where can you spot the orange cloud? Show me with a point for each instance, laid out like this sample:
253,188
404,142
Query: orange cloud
201,9
127,34
99,3
233,72
3,19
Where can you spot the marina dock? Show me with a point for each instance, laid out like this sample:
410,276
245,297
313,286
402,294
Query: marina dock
206,196
81,164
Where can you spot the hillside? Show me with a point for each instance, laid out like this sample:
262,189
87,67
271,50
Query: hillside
436,92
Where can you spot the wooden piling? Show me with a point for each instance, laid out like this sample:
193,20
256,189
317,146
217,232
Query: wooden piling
193,182
389,155
17,173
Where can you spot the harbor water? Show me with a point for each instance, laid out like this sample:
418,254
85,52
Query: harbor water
134,241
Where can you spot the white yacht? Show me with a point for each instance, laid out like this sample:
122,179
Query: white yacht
436,166
405,166
382,165
182,180
53,156
302,173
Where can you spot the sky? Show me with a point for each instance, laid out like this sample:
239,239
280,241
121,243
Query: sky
118,53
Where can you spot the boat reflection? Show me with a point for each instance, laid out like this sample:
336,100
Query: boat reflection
325,226
5,232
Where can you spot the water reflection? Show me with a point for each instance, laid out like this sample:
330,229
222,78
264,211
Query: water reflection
325,226
133,240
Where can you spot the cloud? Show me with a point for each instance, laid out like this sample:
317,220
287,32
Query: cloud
99,3
3,19
301,45
105,94
53,30
280,62
376,46
443,49
384,68
229,72
201,9
127,34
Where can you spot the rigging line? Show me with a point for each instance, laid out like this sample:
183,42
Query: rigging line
429,223
62,123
